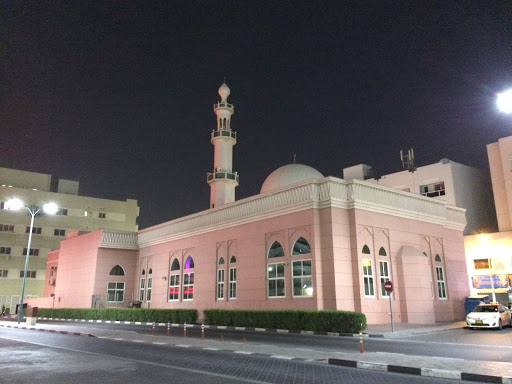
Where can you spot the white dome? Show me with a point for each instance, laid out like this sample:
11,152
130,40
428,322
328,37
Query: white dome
289,174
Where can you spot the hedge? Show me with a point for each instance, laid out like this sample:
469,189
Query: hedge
178,316
298,320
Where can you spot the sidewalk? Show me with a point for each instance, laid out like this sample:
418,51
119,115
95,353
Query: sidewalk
449,368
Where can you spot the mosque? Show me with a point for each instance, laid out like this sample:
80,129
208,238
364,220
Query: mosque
306,241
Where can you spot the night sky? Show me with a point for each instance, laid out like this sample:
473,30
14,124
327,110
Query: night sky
119,94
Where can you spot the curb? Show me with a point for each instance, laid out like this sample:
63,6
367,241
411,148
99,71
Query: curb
48,330
427,372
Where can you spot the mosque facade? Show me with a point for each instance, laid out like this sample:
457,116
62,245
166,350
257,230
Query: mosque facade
306,241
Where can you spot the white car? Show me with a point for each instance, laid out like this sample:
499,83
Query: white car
493,315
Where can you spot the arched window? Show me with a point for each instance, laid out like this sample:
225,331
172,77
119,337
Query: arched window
232,260
221,261
189,263
143,273
117,271
366,250
276,250
382,252
301,246
175,266
437,258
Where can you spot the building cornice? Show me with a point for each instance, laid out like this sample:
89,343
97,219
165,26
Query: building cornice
323,193
118,239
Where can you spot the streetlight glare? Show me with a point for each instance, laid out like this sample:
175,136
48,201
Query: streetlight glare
504,101
50,208
14,204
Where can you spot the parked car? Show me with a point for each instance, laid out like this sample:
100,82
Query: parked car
492,315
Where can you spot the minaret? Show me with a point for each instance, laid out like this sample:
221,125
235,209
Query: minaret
223,180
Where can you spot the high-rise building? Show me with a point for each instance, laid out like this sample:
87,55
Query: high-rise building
74,213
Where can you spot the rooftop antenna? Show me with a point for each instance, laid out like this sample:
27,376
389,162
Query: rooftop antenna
294,157
408,160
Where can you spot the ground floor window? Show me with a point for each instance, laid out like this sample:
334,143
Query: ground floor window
275,278
174,287
115,292
232,283
148,292
384,276
141,289
188,286
441,285
369,289
302,280
220,284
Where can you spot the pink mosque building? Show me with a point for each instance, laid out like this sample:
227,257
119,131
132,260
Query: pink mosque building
304,242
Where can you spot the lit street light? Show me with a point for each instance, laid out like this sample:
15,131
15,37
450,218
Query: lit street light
504,101
14,205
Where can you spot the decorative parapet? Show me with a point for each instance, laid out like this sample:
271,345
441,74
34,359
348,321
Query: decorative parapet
326,192
119,240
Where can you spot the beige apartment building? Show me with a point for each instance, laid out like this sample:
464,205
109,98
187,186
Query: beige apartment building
75,213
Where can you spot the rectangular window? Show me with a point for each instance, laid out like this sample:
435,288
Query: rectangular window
88,213
33,252
5,250
35,230
148,293
302,278
142,287
174,287
275,277
441,286
482,263
102,215
59,232
232,283
433,190
369,289
384,276
220,284
30,274
4,272
6,228
115,292
62,212
188,286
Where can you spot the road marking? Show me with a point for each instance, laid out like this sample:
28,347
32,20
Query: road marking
281,357
183,345
243,352
211,349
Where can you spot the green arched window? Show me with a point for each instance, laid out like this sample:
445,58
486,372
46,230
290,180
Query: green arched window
366,250
301,247
276,250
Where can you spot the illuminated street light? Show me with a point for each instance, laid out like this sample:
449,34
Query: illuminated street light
504,101
14,205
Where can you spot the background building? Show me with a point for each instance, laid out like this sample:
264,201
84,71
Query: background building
489,254
457,184
75,213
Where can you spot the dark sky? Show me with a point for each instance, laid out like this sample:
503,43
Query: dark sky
119,94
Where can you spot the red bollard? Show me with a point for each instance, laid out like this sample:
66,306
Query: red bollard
153,330
361,342
169,329
202,331
185,330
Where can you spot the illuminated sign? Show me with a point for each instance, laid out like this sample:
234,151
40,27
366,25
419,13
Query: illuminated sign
500,281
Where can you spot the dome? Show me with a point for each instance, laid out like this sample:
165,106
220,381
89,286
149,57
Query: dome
289,174
224,92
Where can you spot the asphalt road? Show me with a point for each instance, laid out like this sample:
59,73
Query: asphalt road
463,343
28,356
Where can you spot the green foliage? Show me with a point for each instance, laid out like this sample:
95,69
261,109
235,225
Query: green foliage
297,320
178,316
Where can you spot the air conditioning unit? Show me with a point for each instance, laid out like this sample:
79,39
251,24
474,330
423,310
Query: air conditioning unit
51,282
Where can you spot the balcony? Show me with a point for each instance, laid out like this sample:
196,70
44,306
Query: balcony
211,176
222,133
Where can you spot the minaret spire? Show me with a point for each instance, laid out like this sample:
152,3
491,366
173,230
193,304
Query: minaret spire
223,180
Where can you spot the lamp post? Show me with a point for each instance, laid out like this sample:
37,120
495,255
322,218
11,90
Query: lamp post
14,205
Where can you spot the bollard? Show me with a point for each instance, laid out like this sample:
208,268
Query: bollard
169,328
244,340
221,337
361,342
153,330
185,330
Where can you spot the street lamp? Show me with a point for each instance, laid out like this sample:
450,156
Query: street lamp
504,101
14,205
